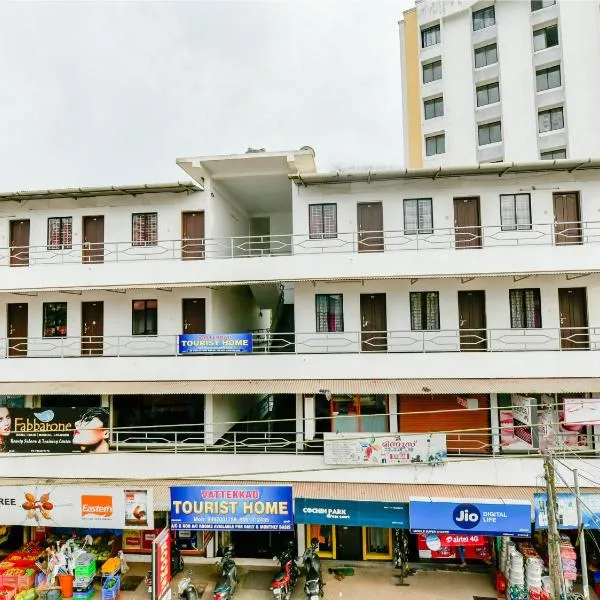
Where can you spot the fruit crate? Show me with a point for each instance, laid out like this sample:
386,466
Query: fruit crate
7,592
83,571
86,594
111,587
24,582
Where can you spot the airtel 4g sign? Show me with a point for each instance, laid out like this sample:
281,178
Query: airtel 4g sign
482,517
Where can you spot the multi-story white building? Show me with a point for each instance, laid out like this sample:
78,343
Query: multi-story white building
487,81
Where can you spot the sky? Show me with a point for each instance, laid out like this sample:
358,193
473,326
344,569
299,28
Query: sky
109,93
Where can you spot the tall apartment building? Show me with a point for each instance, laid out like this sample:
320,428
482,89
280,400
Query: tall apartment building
509,80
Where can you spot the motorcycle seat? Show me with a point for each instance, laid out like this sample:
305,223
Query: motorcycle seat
280,576
222,587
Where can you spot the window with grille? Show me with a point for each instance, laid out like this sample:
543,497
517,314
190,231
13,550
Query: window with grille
144,317
525,308
55,319
418,216
434,107
322,221
424,311
486,17
545,38
490,133
430,36
488,94
435,144
432,71
515,212
330,313
554,154
551,120
547,79
487,55
60,233
144,229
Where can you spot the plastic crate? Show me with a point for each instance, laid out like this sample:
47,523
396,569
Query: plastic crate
86,570
87,595
9,580
24,582
113,592
7,592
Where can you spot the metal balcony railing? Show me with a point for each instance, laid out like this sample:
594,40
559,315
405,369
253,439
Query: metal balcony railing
439,238
353,342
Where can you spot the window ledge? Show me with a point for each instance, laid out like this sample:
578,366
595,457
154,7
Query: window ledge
488,105
551,132
546,48
491,144
552,89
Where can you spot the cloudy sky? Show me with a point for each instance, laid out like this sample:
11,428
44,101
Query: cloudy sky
112,92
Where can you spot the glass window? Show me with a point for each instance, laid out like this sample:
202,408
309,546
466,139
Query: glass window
525,308
378,540
432,71
488,94
486,17
424,311
418,216
539,4
55,319
435,144
434,108
490,133
430,36
545,38
145,229
551,120
330,313
12,401
60,233
557,154
546,79
487,55
358,413
515,211
144,319
322,221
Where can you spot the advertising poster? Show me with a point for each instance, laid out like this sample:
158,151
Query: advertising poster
48,430
567,511
161,566
581,411
136,508
190,343
70,506
479,517
232,508
436,546
400,449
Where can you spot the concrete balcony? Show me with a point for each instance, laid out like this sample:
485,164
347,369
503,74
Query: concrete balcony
468,252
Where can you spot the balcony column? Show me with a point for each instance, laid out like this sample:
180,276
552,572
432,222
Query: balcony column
208,420
393,413
299,422
309,418
495,423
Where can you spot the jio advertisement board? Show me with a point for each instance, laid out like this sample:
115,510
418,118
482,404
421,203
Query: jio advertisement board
232,508
477,517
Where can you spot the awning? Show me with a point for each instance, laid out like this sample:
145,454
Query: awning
309,386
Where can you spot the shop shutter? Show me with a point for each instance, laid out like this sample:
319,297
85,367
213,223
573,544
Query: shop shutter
477,421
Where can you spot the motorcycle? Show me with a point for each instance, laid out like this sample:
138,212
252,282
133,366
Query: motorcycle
187,590
176,566
285,580
313,587
225,588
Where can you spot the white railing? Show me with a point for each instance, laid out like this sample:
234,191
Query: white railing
444,340
449,238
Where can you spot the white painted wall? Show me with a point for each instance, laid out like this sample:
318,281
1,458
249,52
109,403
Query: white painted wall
234,310
228,410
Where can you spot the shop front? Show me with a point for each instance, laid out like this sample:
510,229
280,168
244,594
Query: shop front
351,530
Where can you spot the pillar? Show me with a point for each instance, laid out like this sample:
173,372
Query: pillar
309,418
208,420
393,412
299,422
495,423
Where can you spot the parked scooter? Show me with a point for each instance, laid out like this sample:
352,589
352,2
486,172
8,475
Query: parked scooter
225,589
176,566
313,588
186,589
284,581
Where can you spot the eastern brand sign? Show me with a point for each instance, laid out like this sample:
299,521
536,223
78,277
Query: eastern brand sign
232,508
567,511
73,506
190,343
400,449
48,430
161,566
480,517
352,512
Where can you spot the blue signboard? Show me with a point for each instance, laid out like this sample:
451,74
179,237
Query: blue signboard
352,512
190,343
567,511
479,517
232,508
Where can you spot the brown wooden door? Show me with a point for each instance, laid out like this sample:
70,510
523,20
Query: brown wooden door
17,318
192,233
567,219
19,243
467,223
194,315
373,323
472,320
370,226
92,328
93,239
572,303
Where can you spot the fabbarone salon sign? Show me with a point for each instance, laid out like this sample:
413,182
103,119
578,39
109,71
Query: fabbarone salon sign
232,508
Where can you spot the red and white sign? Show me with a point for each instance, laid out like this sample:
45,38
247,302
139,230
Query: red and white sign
476,546
161,566
461,540
582,411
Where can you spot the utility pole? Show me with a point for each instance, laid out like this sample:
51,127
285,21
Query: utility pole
554,559
581,539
